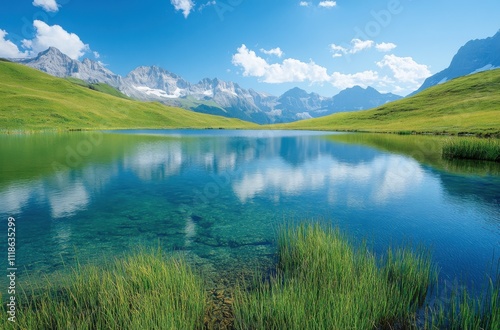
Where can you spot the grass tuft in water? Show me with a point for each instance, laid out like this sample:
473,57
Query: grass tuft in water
143,291
323,282
472,148
468,312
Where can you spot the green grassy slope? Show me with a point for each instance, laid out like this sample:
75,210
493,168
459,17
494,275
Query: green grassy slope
100,87
33,100
468,104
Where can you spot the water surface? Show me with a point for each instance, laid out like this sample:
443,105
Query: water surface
218,196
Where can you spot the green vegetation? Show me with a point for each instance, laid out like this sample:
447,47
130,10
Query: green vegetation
34,101
144,291
472,148
322,282
468,104
100,87
426,149
466,312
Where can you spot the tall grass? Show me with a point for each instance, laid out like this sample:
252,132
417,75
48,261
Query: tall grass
143,291
467,312
322,282
472,148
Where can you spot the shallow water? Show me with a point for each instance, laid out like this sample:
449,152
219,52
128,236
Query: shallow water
219,196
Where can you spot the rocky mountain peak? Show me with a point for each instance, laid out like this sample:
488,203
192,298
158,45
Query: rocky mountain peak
215,96
475,56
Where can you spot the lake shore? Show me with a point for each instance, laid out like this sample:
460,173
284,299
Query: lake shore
320,280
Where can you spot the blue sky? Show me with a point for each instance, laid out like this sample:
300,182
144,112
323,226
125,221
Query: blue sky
270,46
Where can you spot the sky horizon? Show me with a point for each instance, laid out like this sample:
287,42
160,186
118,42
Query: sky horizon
319,46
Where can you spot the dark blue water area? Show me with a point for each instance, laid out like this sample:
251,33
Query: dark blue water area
218,197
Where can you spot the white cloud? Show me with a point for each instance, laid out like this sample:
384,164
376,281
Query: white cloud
327,4
275,51
55,36
293,70
304,4
252,64
359,45
405,69
8,49
96,55
385,46
208,4
183,5
363,79
399,75
290,70
337,48
356,46
47,5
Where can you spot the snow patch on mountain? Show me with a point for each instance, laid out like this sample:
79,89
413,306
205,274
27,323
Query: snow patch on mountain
487,67
213,96
158,92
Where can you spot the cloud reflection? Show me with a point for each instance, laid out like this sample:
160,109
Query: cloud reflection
385,177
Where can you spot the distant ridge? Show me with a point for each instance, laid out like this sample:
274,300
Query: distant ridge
475,56
33,100
465,105
212,96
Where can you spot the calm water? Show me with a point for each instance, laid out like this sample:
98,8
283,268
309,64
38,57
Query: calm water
218,196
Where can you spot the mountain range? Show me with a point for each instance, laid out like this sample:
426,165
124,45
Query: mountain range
212,96
218,97
473,57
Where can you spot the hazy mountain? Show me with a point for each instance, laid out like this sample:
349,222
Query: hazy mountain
358,98
212,96
475,56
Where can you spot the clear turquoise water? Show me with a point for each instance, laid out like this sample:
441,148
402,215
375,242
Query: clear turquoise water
219,196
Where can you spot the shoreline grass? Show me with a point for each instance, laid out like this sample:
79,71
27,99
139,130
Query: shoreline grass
142,291
321,281
472,148
464,311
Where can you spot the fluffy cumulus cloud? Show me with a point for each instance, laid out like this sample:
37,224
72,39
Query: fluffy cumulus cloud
275,51
47,5
253,65
304,4
293,70
183,5
385,46
358,45
394,74
290,70
55,36
405,69
327,4
8,49
363,79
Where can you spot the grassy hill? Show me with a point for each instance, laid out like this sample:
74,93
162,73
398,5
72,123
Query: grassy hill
468,104
31,100
100,87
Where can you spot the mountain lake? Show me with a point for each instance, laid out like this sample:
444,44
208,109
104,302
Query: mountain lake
218,197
